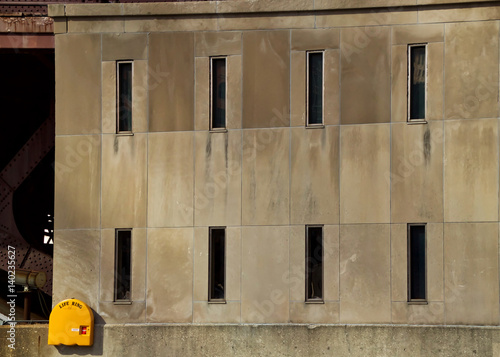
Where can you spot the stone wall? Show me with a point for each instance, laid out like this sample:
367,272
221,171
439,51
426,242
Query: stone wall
265,340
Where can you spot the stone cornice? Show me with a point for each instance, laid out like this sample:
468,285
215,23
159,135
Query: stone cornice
229,7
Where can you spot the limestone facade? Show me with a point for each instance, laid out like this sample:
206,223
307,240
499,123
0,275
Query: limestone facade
364,175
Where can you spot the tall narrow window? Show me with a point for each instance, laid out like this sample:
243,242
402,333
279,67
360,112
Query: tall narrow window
217,265
123,248
124,102
314,264
416,263
417,81
218,93
314,88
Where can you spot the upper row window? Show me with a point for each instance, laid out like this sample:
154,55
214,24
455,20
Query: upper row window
124,70
315,88
417,80
218,93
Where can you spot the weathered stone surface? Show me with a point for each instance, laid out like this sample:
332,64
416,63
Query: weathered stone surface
266,340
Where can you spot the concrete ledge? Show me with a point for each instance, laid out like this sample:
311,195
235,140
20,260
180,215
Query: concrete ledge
265,340
235,7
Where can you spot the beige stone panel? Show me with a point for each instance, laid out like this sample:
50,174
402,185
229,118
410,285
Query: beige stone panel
202,88
200,264
265,264
76,278
124,46
428,314
399,102
416,173
217,179
435,60
161,24
407,34
139,97
265,177
93,10
170,275
170,179
428,2
331,95
471,171
77,182
366,75
364,167
171,81
298,89
56,10
245,22
264,6
233,263
471,77
302,313
471,273
328,4
399,84
332,87
169,8
107,268
95,25
140,90
217,43
109,97
365,273
266,79
234,90
297,255
78,74
434,262
113,313
124,181
315,175
315,39
399,262
296,275
455,14
228,313
60,26
372,18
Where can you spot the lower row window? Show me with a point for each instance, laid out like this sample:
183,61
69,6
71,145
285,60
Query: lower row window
123,263
314,264
217,265
416,262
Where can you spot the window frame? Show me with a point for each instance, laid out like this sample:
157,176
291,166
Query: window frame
115,278
118,131
322,124
409,103
309,300
211,89
210,250
409,282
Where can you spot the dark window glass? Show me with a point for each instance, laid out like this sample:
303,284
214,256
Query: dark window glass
417,82
314,263
315,100
416,262
217,265
218,93
124,96
122,264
